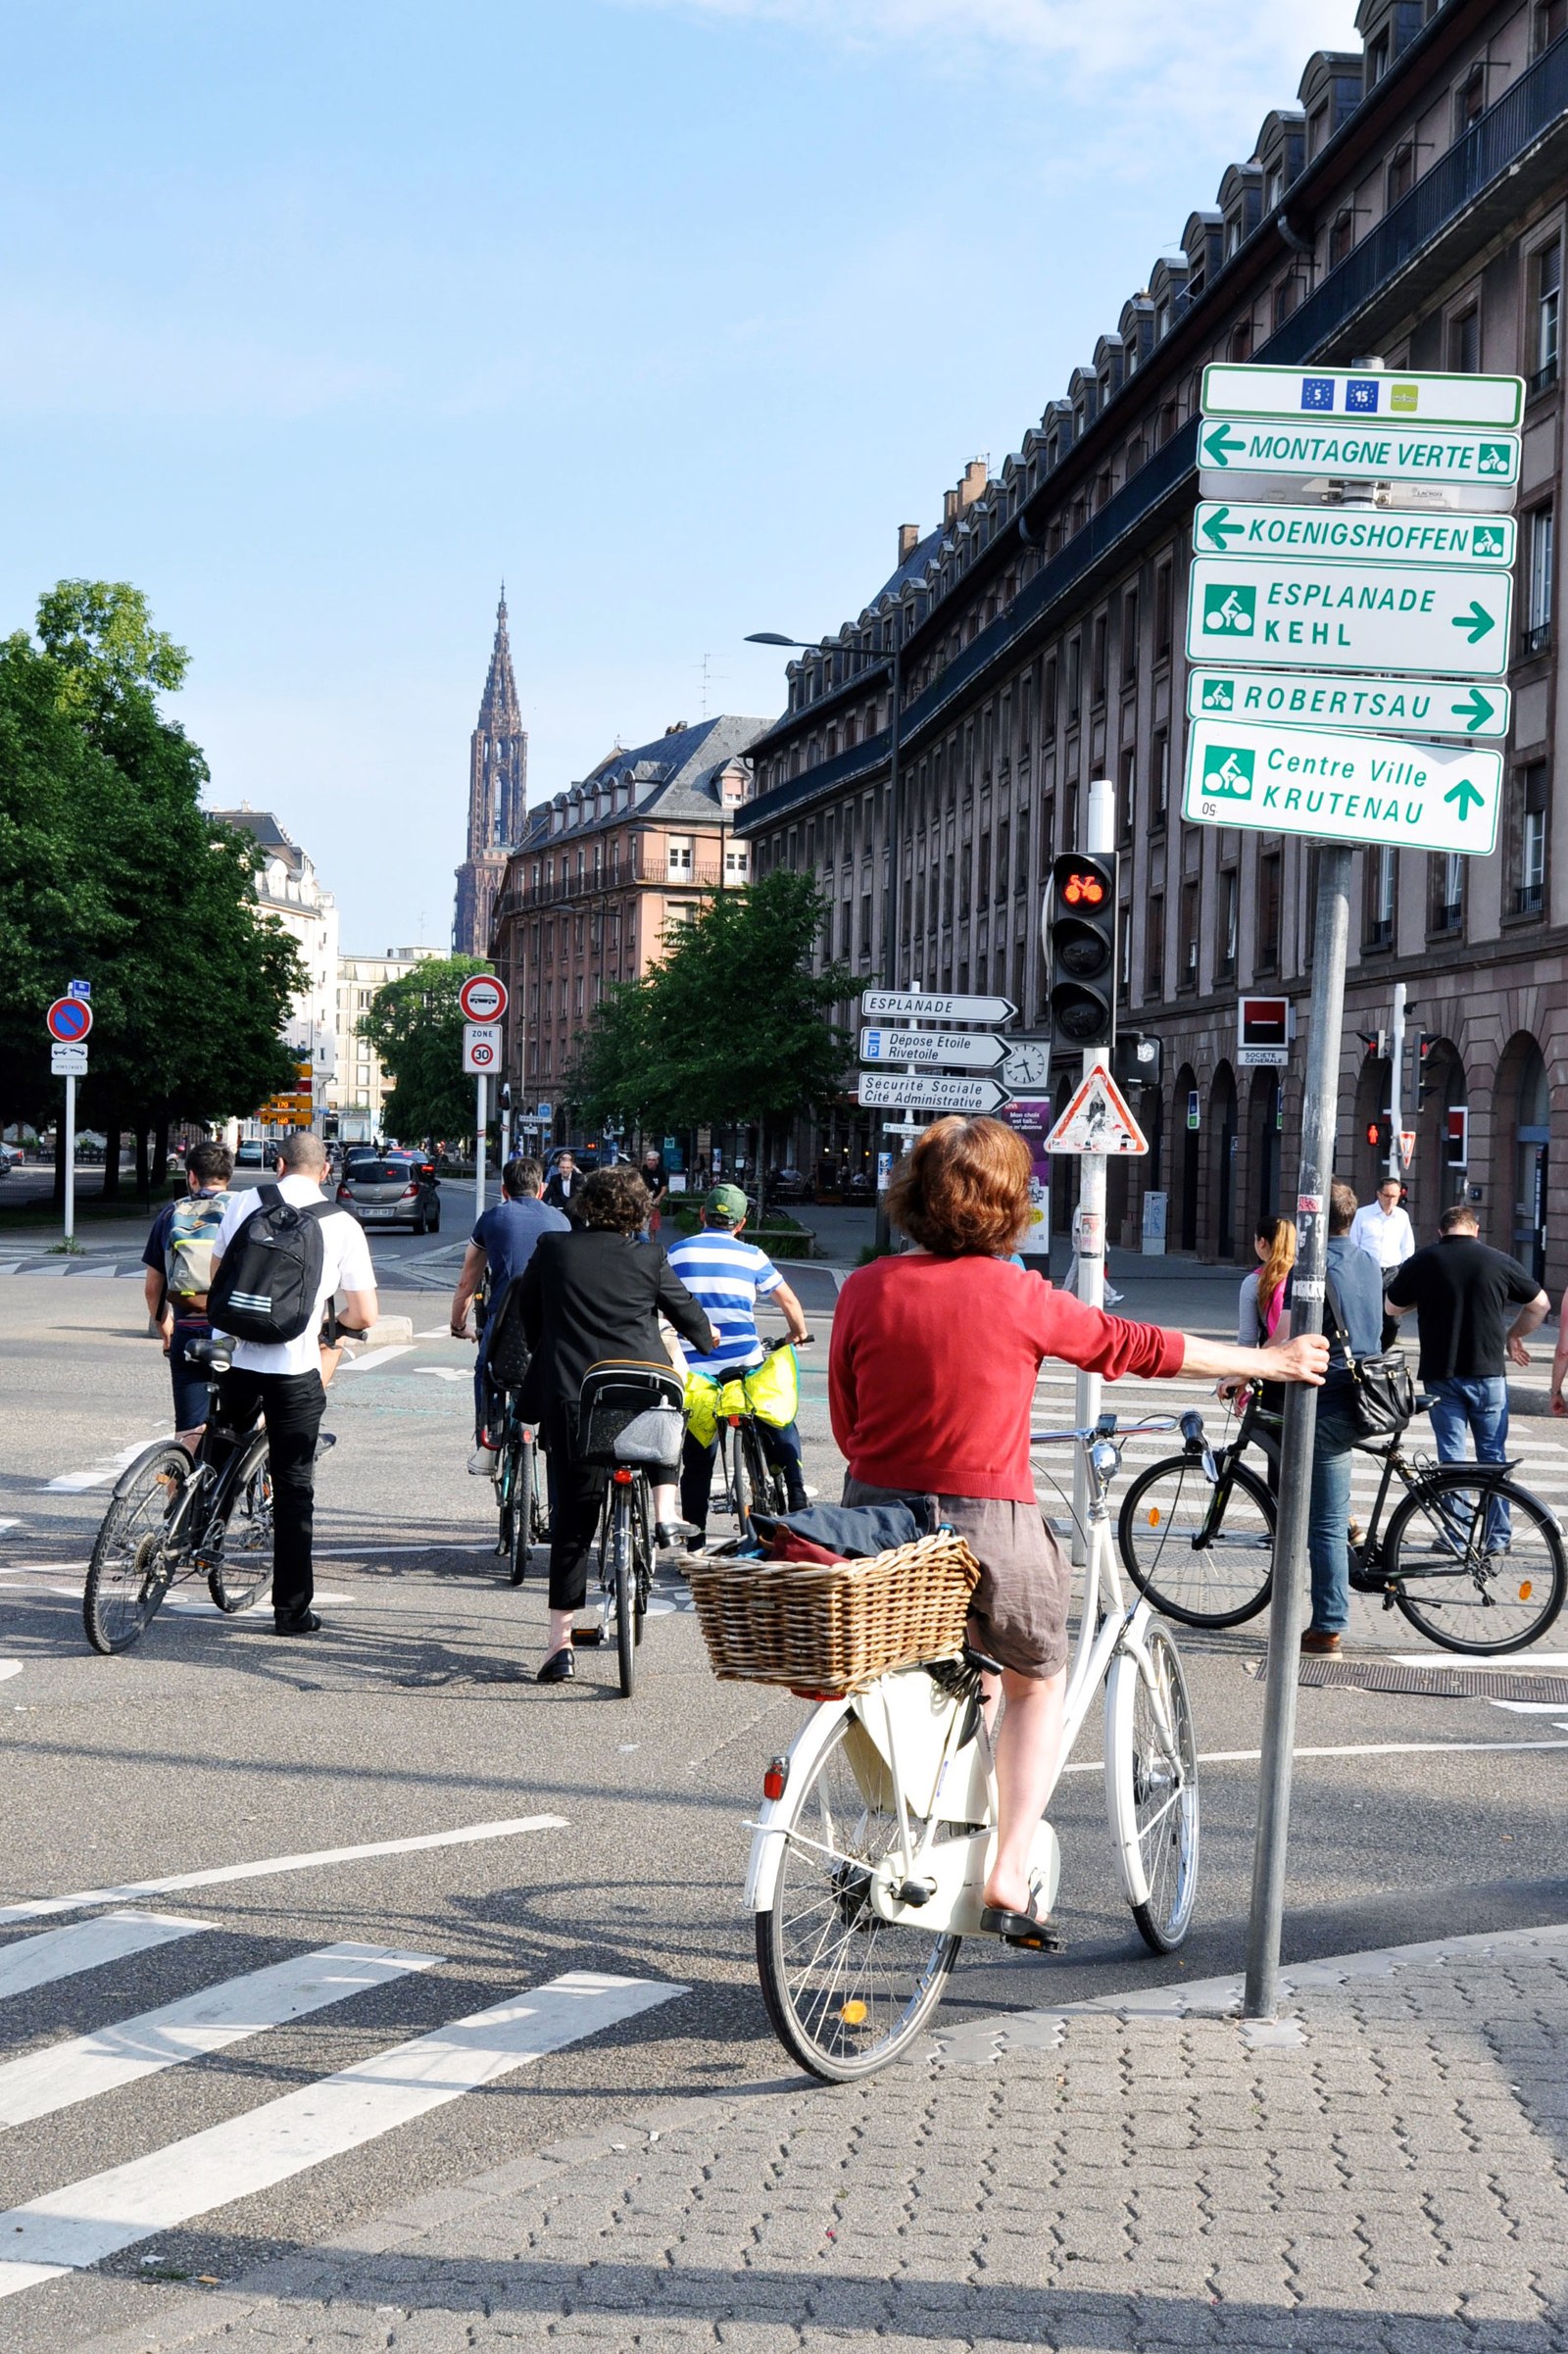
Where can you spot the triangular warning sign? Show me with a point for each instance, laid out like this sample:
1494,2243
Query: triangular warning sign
1098,1119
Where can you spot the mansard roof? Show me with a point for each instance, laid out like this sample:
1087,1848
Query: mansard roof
673,779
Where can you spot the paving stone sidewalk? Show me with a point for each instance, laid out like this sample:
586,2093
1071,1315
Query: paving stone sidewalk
1382,2172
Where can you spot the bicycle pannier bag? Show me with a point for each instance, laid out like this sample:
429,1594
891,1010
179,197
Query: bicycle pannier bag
188,1250
271,1271
1384,1395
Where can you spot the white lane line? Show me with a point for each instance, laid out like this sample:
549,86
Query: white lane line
375,1357
55,1954
445,1373
1531,1707
438,1332
371,1551
90,2219
9,1266
33,1908
10,1523
1507,1665
1376,1749
8,1669
63,2074
205,1604
72,1482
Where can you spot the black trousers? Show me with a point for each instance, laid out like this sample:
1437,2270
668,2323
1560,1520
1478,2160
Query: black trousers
781,1446
292,1405
576,1494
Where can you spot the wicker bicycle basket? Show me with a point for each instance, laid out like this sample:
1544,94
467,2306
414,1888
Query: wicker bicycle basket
835,1627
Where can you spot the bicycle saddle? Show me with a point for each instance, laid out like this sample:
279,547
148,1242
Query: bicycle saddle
215,1355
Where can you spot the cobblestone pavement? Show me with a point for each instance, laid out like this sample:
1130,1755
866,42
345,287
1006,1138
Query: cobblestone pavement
1380,2171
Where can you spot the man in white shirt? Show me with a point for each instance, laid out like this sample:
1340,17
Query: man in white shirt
284,1378
1383,1230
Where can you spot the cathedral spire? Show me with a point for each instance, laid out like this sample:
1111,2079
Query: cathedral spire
498,785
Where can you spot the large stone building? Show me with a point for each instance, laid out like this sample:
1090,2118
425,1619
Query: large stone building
359,1087
288,886
602,874
498,792
1410,204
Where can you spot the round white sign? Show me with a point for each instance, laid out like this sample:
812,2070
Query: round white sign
483,998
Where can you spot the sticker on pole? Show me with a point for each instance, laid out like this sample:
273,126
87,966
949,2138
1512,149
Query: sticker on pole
69,1019
483,998
1096,1119
1407,1147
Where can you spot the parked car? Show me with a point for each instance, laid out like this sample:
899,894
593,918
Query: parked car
252,1154
790,1184
392,1193
10,1157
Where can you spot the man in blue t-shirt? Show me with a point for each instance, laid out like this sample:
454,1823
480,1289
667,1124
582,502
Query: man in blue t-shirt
502,1242
727,1277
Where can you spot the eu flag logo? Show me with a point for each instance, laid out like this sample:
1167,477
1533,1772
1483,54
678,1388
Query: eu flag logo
1361,396
1317,392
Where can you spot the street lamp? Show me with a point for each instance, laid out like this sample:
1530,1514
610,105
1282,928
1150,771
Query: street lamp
893,660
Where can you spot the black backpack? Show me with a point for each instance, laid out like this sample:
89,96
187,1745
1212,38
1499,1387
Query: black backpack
271,1272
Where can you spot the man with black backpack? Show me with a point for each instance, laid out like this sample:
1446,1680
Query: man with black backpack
179,1259
282,1256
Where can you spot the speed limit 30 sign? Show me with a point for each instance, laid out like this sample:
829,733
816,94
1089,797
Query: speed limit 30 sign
481,1046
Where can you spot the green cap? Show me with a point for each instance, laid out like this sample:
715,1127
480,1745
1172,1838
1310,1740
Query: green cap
725,1201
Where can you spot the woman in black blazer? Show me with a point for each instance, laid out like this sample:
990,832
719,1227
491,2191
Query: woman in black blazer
593,1293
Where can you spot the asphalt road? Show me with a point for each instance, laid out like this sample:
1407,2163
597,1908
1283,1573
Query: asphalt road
214,1747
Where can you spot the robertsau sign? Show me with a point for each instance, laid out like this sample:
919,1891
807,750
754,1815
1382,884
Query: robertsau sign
1404,706
1399,397
1382,536
1348,616
1343,788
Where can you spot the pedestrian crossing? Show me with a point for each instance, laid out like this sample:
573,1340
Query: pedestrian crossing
82,2223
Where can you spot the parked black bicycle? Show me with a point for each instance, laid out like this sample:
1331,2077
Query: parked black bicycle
1473,1559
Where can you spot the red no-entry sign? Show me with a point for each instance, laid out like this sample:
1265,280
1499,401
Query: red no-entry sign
483,998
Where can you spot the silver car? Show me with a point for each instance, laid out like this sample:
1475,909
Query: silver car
395,1191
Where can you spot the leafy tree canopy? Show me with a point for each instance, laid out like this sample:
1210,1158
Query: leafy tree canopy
415,1025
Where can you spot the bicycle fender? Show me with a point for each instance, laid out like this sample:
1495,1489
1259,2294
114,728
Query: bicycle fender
767,1837
1122,1690
132,1471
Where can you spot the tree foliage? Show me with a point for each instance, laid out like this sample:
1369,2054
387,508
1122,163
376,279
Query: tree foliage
730,1027
110,870
415,1025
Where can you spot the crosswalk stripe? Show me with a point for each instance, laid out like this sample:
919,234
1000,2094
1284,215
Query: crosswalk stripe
97,2217
39,2082
55,1954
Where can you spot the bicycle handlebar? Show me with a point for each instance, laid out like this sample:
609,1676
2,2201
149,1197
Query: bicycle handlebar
1099,1430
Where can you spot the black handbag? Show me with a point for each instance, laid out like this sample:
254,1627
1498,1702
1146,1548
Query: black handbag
1384,1393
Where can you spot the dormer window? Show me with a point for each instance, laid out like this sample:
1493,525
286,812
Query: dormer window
1162,319
1552,22
1317,128
1401,171
1053,455
1078,420
1233,235
1273,186
1341,236
1377,61
1132,355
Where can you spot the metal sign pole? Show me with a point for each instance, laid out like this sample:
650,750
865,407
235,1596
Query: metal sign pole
1397,1083
480,1089
1099,836
1318,1119
71,1157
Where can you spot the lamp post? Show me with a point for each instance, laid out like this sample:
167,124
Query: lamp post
894,660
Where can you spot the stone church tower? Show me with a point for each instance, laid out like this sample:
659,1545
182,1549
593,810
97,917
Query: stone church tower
498,789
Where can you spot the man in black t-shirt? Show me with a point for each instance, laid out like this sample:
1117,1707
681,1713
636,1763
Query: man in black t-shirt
1462,1291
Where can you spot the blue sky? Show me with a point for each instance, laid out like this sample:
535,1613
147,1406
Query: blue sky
315,320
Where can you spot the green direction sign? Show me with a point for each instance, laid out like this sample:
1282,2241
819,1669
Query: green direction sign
1329,616
1404,706
1361,395
1383,452
1377,535
1343,788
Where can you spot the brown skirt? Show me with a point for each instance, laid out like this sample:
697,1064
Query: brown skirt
1020,1605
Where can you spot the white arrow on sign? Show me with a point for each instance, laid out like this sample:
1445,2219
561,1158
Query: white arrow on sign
1096,1119
1367,535
929,1091
1356,452
1393,397
973,1049
1343,788
1348,616
1404,706
877,1003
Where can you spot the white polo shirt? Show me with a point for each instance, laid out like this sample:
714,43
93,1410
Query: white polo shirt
345,1267
1383,1235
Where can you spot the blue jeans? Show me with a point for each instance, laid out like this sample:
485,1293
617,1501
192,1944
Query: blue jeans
1329,1509
1481,1409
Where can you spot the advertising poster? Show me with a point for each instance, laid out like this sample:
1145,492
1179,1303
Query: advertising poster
1031,1116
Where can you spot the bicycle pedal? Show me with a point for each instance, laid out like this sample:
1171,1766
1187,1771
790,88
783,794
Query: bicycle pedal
586,1639
1043,1940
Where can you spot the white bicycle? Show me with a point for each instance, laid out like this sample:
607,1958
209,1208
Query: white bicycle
871,1855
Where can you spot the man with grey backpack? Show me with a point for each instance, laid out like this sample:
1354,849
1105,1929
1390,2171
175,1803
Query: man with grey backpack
282,1256
179,1259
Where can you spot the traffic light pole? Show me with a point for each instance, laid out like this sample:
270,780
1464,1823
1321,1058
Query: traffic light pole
1099,837
1397,1085
1319,1120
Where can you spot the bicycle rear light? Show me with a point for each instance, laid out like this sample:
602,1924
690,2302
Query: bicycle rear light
776,1778
621,1477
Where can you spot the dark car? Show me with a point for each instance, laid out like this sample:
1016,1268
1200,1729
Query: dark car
393,1191
790,1184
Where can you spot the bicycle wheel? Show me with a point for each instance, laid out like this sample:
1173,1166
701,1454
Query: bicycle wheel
517,1478
238,1544
770,1488
642,1555
624,1574
1151,1787
845,1990
1203,1554
131,1567
1450,1588
741,1483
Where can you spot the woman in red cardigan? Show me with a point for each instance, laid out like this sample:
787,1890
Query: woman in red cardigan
931,1385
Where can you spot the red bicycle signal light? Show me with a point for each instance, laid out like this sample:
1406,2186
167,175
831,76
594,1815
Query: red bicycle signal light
1083,887
1081,949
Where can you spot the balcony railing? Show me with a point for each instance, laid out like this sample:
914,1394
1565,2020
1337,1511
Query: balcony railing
649,864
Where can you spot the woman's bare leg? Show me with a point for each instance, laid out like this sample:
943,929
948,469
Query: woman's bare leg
1027,1748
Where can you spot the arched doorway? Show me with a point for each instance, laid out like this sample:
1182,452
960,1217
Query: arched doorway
1264,1130
1223,1131
1532,1143
1185,1156
1440,1174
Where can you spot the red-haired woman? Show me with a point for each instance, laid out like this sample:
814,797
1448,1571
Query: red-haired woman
931,1383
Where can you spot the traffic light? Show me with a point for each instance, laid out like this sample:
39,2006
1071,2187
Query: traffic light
1425,1042
1136,1060
1375,1043
1081,949
1377,1135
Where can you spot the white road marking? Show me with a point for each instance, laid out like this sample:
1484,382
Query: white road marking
8,1669
56,1953
72,1482
438,1332
63,2074
1376,1749
35,1907
373,1552
10,1523
445,1373
9,1266
1504,1666
1531,1707
90,2219
375,1357
204,1603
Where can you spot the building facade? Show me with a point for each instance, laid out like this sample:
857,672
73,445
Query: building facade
604,874
358,1092
498,793
1409,205
288,886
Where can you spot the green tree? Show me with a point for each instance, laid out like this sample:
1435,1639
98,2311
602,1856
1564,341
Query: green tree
415,1025
730,1027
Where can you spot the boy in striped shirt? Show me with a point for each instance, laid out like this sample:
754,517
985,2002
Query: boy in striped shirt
727,1276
